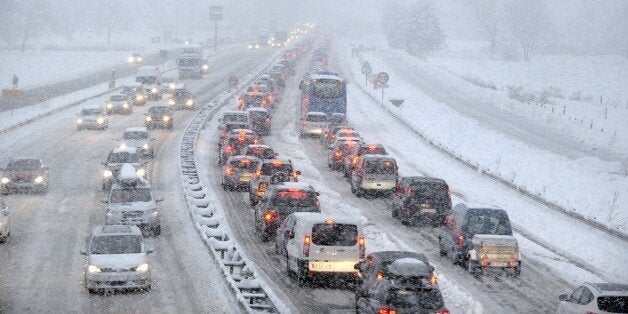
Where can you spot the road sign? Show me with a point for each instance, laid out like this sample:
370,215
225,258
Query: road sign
215,13
382,78
396,102
366,68
12,93
233,81
163,53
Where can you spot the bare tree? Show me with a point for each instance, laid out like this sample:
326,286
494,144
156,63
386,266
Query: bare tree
530,21
487,13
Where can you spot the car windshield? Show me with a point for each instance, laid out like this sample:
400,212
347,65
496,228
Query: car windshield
158,110
328,88
272,168
316,118
430,299
613,304
118,98
130,195
146,80
182,94
379,167
258,115
123,157
128,89
244,164
117,244
333,234
24,164
488,222
188,62
297,198
235,118
134,135
374,150
91,112
261,152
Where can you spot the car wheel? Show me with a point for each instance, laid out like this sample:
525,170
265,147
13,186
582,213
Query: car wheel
157,230
441,252
148,288
394,212
474,268
224,186
517,272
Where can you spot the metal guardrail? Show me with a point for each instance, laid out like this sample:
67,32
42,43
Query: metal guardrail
252,293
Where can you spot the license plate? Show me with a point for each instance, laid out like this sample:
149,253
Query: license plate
429,210
321,266
498,264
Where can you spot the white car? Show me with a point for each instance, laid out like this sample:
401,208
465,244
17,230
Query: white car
315,243
117,258
595,298
92,118
313,123
139,138
5,221
131,202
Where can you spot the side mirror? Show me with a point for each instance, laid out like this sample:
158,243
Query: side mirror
298,172
104,200
563,297
82,252
159,199
150,251
358,266
152,139
317,193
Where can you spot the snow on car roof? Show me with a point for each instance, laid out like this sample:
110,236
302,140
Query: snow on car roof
477,205
321,218
377,156
124,150
326,77
235,112
260,109
294,185
116,230
407,266
136,129
316,113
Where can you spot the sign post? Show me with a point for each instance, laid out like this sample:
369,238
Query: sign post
382,80
215,14
367,71
164,54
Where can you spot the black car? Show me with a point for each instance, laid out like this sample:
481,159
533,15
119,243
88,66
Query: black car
421,199
259,120
375,268
402,292
159,117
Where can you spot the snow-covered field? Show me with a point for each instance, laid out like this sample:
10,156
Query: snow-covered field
588,186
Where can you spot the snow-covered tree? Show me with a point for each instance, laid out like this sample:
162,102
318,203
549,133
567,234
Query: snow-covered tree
530,22
415,28
487,13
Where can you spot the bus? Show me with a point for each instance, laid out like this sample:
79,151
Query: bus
323,91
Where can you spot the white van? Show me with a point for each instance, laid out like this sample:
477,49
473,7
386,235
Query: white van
315,243
312,123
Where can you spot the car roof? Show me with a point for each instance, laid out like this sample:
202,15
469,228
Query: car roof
610,288
132,84
377,156
136,129
25,158
316,113
320,217
258,145
293,185
234,112
181,86
260,109
116,230
118,150
395,255
283,160
420,179
326,77
239,157
468,206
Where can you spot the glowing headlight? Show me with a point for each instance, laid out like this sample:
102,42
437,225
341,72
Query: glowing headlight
149,119
139,59
173,85
250,47
141,172
99,120
190,102
123,145
155,213
109,105
93,269
256,46
125,105
39,179
166,118
139,97
107,173
142,268
171,102
154,90
131,59
145,146
79,120
5,180
205,67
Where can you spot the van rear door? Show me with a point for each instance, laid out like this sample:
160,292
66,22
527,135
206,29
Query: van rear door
334,247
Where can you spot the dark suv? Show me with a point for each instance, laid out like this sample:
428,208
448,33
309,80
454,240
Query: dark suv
421,199
282,200
403,293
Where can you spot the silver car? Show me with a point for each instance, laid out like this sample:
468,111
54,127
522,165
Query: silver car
117,258
139,138
133,204
92,118
5,222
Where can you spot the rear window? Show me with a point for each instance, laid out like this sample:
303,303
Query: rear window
379,167
335,234
430,299
158,110
261,152
134,135
316,118
437,193
235,118
244,164
123,157
270,168
253,99
373,150
613,304
298,198
488,222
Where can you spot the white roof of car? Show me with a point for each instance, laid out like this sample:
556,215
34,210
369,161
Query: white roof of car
294,185
321,218
238,157
181,86
257,109
408,267
117,150
377,156
316,113
233,112
116,230
136,129
326,77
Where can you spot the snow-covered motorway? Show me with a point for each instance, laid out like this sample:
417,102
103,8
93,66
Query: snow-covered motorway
42,270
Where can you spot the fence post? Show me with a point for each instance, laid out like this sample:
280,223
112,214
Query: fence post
606,113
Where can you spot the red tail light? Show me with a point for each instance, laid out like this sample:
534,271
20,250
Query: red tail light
229,149
307,240
512,261
304,124
449,191
445,311
229,170
362,245
270,216
354,161
379,276
337,154
258,174
223,133
484,259
460,241
386,310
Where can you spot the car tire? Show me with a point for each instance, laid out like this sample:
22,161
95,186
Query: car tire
473,267
394,212
156,230
223,186
441,252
